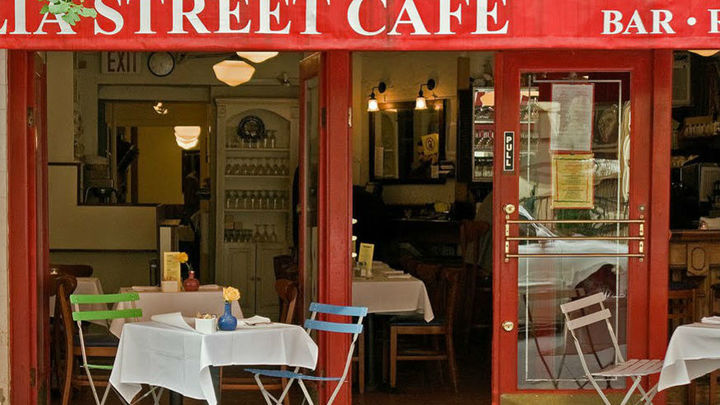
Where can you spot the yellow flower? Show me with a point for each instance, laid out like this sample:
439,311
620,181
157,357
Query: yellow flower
231,294
182,257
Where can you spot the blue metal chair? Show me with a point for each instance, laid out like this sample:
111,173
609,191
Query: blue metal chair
313,324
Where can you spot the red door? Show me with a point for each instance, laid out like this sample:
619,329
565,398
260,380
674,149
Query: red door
571,212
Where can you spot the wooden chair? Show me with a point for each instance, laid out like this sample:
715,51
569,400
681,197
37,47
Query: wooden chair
75,270
287,291
443,326
472,234
63,285
681,310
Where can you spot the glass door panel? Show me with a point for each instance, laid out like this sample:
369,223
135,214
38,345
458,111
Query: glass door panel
572,230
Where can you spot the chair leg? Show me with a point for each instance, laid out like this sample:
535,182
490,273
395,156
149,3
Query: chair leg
393,357
712,396
67,382
692,391
450,349
361,364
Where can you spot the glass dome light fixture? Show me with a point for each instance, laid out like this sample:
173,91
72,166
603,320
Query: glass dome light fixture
187,145
373,105
420,101
233,72
257,57
705,52
187,137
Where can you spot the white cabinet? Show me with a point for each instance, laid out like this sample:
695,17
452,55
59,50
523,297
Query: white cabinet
253,195
249,267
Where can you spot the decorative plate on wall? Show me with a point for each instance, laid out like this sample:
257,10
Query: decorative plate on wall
251,128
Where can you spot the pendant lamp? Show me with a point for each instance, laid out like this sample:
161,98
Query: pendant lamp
187,137
233,72
257,57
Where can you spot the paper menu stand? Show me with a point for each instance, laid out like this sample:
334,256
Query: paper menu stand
171,268
365,259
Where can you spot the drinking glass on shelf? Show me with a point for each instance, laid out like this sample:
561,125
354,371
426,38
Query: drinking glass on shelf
236,203
228,168
260,171
276,167
273,236
272,139
265,235
236,168
257,236
228,199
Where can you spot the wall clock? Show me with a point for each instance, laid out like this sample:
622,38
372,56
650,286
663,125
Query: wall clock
251,128
161,64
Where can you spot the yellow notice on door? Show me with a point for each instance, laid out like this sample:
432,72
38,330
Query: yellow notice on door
171,268
572,181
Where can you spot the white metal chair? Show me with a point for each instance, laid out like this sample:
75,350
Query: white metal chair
633,369
354,329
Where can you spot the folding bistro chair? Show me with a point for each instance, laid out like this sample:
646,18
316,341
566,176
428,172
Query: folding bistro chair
324,326
632,369
104,348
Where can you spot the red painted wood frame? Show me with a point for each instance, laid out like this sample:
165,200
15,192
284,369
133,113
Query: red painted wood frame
27,229
333,70
650,182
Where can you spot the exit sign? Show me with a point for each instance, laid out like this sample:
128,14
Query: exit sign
120,62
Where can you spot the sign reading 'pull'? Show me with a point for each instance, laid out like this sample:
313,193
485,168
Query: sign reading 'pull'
509,152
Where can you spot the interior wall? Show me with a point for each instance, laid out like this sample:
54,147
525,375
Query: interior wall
403,72
159,166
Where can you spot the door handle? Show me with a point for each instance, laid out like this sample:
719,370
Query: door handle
508,326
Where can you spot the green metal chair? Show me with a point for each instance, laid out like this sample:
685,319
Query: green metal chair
104,345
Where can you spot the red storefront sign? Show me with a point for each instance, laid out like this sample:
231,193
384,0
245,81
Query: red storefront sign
367,24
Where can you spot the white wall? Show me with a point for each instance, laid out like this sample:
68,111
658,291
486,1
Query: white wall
4,296
403,72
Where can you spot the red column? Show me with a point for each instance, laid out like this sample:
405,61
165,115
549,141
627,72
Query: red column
335,208
23,319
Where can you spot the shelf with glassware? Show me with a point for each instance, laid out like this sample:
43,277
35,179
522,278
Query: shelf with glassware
255,161
483,138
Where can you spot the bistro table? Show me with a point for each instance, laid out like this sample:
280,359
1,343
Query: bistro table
188,303
87,286
694,351
181,360
389,292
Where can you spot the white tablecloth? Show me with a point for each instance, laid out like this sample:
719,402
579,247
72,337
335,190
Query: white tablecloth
381,294
179,360
694,351
187,303
89,286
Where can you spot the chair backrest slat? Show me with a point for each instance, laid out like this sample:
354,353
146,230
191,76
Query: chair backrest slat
338,310
333,326
104,298
107,315
590,319
582,303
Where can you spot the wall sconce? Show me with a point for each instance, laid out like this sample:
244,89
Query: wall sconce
372,101
160,108
705,52
420,101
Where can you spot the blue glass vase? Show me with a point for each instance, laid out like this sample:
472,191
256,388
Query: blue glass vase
227,321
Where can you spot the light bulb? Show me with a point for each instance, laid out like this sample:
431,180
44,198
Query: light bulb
373,104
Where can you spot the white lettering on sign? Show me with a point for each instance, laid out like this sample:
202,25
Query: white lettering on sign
509,152
120,62
265,21
179,16
446,14
414,19
65,28
714,21
109,13
224,18
353,16
659,20
484,15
